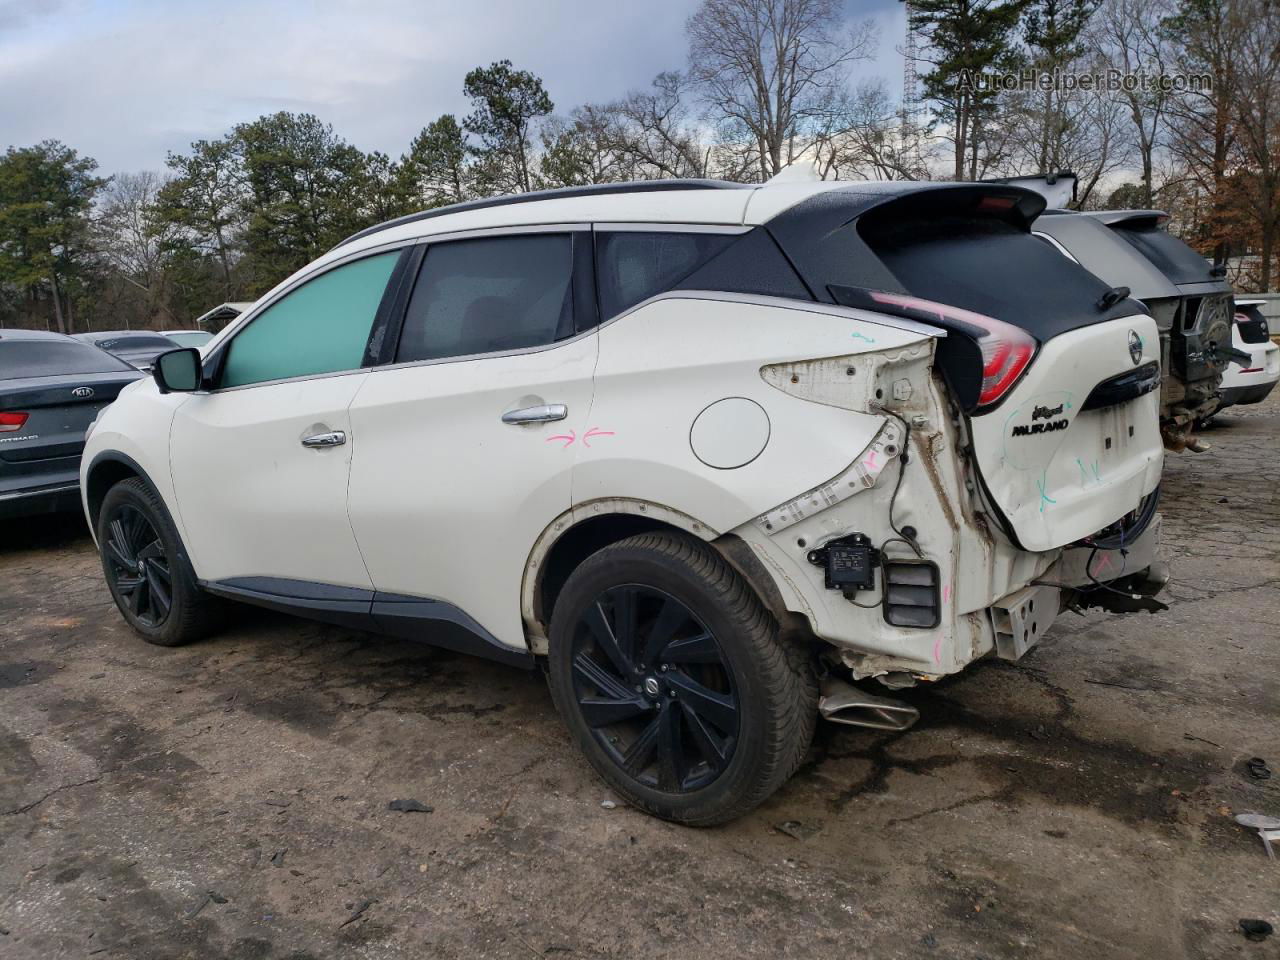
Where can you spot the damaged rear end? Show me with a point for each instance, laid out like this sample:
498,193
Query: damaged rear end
1020,459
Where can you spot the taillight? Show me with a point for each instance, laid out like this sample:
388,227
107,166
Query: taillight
12,421
1006,350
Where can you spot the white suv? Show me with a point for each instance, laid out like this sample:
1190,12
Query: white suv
701,449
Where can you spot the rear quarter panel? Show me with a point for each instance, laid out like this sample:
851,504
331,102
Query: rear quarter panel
664,363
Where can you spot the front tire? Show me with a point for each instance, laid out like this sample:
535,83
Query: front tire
147,570
671,677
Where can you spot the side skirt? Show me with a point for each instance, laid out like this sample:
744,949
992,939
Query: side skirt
412,618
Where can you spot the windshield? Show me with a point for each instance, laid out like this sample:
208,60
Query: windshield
197,338
992,268
1171,256
53,358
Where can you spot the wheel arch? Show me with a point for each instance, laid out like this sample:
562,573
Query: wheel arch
106,470
588,527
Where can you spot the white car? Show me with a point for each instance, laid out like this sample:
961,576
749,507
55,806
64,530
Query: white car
707,451
1250,382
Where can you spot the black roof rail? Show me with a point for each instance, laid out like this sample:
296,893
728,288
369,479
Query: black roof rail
636,186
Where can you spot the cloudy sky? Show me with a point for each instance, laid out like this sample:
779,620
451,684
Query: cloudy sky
126,80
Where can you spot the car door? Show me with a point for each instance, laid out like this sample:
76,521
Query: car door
260,461
467,440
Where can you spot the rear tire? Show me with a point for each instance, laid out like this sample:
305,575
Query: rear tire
147,570
671,677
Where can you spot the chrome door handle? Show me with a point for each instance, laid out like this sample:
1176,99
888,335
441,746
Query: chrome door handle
544,413
335,439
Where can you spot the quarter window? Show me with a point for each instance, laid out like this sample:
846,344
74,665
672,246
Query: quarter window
490,294
320,327
635,266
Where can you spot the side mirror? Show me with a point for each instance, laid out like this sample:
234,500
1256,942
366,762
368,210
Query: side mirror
177,371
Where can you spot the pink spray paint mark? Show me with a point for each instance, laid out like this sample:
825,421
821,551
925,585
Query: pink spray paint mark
1104,563
870,461
568,438
937,643
595,432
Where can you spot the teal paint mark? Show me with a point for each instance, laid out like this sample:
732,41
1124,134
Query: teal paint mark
1096,475
1068,404
1044,497
1084,476
862,336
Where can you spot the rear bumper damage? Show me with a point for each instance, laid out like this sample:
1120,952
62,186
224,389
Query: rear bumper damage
1123,580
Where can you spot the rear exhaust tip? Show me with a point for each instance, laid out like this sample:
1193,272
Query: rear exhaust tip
842,702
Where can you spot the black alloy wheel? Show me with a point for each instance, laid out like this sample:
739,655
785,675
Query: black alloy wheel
654,687
139,568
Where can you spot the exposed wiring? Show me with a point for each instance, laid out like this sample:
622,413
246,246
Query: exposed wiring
903,459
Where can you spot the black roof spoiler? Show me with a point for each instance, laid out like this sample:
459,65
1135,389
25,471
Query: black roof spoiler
1117,218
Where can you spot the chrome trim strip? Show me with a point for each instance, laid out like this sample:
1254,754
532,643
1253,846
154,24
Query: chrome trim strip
727,229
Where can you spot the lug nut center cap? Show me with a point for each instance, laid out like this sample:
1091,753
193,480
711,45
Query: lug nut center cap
651,686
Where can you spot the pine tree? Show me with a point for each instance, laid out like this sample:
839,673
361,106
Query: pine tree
965,39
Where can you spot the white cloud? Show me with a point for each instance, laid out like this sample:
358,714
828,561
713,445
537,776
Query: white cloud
126,80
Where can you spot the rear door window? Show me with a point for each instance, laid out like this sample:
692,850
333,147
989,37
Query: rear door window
489,295
632,266
320,327
20,359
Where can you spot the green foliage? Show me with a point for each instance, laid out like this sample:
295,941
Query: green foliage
505,102
46,193
967,38
434,170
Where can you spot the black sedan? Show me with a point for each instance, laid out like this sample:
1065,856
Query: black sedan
136,347
51,389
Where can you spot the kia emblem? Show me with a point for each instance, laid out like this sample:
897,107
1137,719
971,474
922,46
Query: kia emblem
82,392
1135,346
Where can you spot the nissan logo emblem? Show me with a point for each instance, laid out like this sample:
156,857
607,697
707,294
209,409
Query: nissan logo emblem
82,392
1135,346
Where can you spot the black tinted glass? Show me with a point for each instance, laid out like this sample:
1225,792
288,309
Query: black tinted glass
496,293
992,268
52,358
1171,256
632,267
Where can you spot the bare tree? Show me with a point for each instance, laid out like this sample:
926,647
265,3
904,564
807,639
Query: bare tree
860,139
131,240
1128,34
767,69
1207,35
657,133
1256,178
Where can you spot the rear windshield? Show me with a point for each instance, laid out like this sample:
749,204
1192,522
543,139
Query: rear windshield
1171,256
990,267
20,359
140,341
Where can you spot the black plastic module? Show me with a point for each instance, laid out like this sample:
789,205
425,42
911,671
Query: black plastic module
850,563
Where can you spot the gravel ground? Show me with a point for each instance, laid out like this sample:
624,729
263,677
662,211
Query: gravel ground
229,799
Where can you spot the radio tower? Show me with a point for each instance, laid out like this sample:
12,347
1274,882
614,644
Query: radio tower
910,129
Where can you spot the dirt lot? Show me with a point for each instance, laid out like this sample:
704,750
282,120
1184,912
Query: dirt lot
230,799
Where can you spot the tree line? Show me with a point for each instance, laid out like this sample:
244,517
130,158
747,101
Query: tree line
765,83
